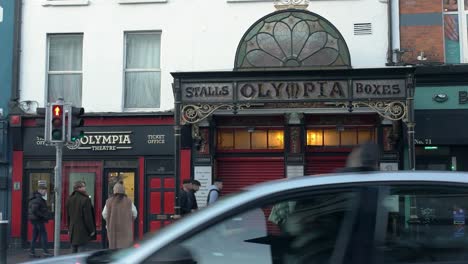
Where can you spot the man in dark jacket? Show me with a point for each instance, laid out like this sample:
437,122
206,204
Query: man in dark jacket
39,214
195,187
81,219
185,201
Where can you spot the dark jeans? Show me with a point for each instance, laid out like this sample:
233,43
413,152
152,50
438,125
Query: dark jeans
76,249
39,231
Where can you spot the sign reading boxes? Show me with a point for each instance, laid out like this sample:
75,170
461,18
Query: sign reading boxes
379,89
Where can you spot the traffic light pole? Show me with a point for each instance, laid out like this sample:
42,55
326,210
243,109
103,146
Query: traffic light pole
58,196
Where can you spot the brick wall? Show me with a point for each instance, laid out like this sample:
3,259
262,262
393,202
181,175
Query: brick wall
421,37
420,6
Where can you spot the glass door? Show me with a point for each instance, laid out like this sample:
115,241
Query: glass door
35,180
125,177
91,173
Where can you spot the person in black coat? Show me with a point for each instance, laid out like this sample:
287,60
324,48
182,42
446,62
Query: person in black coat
184,196
39,214
195,187
81,218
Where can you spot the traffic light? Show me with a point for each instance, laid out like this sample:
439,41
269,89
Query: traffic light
75,122
42,120
57,123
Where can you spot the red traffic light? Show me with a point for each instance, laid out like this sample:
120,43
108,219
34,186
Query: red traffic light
56,110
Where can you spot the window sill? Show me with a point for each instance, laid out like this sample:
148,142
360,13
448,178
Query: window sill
65,2
150,109
247,1
123,2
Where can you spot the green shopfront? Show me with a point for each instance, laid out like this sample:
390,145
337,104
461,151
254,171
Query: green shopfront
441,113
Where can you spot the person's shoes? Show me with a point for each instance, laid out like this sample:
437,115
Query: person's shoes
33,255
47,254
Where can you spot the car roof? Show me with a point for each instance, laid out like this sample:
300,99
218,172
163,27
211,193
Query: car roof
361,177
252,193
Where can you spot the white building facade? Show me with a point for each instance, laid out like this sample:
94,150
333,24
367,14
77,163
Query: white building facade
117,55
115,59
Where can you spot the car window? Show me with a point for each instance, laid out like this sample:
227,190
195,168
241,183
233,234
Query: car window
422,224
308,229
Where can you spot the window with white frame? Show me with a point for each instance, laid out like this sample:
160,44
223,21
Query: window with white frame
64,67
142,70
455,31
65,2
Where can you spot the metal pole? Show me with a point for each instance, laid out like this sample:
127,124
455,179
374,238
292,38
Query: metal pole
3,241
58,197
177,146
410,124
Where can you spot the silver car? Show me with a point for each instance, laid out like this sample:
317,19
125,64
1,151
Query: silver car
400,217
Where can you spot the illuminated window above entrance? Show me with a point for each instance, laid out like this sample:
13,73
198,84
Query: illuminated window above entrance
332,137
292,39
250,139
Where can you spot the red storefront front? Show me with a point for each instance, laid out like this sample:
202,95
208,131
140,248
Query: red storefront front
137,150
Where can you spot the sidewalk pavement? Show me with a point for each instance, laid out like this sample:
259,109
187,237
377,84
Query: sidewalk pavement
22,254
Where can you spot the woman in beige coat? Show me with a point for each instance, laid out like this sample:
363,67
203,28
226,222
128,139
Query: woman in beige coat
119,213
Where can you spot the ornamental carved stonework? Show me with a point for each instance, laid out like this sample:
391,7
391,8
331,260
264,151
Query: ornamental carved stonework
205,141
296,4
295,140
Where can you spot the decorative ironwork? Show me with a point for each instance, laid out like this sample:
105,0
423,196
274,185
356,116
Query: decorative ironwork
73,145
292,39
297,4
395,110
194,113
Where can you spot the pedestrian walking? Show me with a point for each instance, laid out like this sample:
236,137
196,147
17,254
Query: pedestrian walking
184,196
195,187
81,219
39,214
119,213
214,191
365,157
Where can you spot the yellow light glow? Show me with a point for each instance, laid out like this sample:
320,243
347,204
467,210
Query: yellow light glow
276,139
314,137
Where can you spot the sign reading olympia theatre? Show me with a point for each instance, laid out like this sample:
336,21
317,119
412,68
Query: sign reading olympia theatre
102,141
274,91
139,140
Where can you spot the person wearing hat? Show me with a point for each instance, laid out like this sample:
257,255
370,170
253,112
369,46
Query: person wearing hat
119,213
39,214
80,217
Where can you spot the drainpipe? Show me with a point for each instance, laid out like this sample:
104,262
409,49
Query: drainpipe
15,90
177,143
390,34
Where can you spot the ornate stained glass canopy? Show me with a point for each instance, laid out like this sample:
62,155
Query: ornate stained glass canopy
292,39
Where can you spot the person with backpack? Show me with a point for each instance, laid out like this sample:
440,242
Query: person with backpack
39,214
214,191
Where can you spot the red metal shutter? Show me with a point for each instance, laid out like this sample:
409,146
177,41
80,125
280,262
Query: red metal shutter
238,173
324,164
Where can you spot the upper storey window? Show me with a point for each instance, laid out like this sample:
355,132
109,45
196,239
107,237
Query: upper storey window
455,31
64,67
